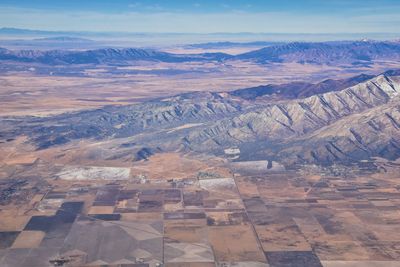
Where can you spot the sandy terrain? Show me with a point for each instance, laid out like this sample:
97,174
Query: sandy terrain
176,166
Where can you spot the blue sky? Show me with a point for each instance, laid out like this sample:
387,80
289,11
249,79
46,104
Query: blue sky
282,16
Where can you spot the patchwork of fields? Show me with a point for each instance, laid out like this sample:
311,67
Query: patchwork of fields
277,218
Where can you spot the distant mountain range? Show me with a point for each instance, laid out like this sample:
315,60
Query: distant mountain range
326,53
63,39
102,56
331,53
57,42
17,31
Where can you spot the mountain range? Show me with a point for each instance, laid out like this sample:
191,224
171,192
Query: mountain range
338,125
326,53
102,56
330,53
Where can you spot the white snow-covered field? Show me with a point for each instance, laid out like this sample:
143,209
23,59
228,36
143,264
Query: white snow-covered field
93,173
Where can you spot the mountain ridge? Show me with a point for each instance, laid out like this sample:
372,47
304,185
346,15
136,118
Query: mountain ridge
322,128
298,89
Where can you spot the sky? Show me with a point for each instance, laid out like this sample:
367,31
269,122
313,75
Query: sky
207,16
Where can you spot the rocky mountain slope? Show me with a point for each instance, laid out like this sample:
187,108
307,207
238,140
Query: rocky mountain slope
375,132
278,125
352,124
